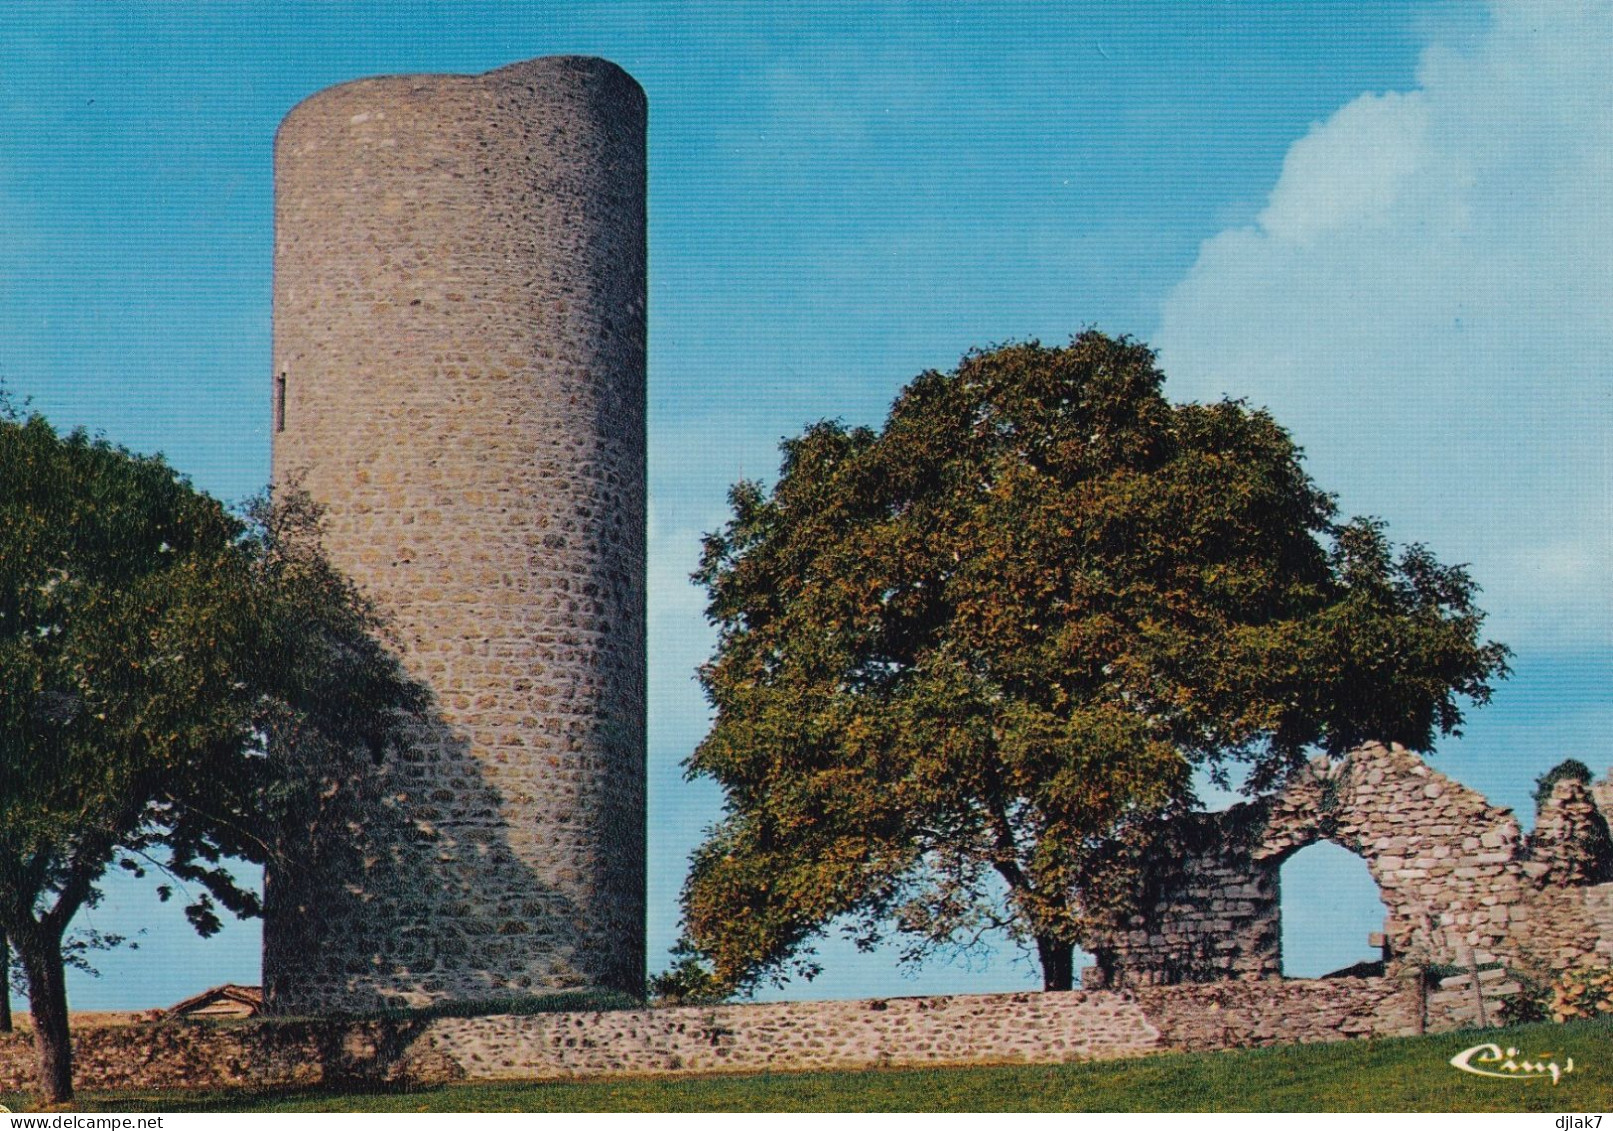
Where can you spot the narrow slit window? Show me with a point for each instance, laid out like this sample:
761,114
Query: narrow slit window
280,403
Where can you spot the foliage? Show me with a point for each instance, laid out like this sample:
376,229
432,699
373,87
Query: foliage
985,647
149,642
686,982
1579,995
1527,1006
77,946
1530,1002
1568,768
1568,995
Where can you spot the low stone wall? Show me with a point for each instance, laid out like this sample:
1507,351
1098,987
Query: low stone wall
1045,1028
1222,1015
788,1036
243,1054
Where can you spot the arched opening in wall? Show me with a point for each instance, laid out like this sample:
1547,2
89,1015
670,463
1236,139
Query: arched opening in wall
1330,904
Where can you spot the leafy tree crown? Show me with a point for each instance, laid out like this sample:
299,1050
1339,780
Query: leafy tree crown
983,649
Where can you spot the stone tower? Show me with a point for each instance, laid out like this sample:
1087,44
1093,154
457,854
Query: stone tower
459,337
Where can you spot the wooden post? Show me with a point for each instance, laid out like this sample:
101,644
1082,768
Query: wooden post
5,984
1478,991
1419,978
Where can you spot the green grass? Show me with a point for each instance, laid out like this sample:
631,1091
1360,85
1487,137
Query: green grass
1405,1074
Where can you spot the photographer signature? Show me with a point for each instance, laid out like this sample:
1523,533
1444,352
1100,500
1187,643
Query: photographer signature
1491,1060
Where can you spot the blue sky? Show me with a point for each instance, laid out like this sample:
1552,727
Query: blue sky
1389,222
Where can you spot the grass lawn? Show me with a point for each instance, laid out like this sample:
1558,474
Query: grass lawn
1402,1074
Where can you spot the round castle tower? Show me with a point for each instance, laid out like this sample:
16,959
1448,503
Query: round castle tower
459,327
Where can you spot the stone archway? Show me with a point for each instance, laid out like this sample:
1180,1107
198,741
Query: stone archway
1446,861
1331,912
1458,879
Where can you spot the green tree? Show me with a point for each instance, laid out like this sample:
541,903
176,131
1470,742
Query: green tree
985,647
149,642
1567,768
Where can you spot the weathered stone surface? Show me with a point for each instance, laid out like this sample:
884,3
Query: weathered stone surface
1240,1014
1459,880
1045,1028
239,1054
459,307
1571,838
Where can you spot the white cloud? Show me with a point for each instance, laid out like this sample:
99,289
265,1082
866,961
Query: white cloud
1351,171
1426,301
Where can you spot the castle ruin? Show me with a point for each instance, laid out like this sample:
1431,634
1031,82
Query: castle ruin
1463,886
459,367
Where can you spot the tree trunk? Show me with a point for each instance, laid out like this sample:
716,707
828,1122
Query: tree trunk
1058,963
5,984
47,1003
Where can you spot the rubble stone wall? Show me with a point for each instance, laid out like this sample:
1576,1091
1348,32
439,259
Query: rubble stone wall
1041,1028
1460,881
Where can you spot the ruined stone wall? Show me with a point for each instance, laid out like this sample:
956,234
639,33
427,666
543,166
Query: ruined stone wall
1460,882
1248,1014
1033,1028
459,350
1212,908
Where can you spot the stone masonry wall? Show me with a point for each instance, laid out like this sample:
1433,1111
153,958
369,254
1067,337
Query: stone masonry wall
1459,880
1213,909
1245,1014
459,352
1043,1028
